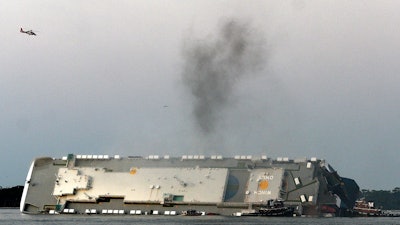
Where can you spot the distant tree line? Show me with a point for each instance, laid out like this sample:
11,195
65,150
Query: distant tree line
383,199
10,197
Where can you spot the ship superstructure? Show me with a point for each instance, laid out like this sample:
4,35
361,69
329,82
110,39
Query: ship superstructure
169,185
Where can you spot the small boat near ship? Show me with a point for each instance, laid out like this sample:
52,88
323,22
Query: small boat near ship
193,212
273,208
276,208
364,208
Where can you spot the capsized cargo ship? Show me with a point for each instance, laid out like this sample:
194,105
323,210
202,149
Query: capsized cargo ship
166,185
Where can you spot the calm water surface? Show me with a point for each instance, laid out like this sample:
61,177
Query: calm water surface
14,217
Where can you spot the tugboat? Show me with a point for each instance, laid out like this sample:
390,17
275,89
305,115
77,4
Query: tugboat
272,208
364,208
276,208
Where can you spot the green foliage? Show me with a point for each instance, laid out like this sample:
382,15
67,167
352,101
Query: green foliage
10,197
383,199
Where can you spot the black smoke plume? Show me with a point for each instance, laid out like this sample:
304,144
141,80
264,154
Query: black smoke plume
213,66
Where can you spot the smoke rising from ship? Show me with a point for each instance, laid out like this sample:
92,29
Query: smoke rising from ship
212,67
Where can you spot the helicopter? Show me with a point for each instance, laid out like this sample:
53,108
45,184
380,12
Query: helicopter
29,32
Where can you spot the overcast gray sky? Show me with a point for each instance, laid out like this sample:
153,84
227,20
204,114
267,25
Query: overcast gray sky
99,75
